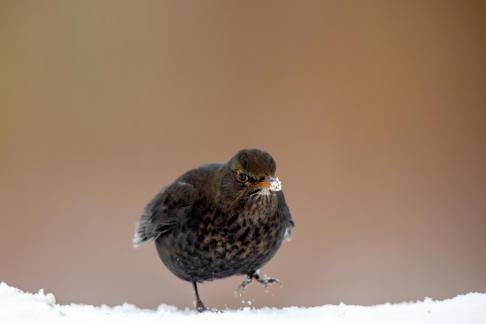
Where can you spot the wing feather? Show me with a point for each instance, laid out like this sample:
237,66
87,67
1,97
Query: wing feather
164,211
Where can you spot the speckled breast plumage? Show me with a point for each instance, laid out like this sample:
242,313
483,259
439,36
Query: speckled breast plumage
211,244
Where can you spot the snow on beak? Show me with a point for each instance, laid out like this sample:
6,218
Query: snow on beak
273,184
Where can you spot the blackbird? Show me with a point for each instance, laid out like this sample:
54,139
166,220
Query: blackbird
219,220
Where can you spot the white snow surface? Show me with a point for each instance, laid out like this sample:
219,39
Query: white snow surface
17,306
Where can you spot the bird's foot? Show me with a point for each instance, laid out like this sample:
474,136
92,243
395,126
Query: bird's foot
243,284
264,280
200,307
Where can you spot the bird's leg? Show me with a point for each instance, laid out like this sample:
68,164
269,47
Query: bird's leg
200,307
248,279
264,280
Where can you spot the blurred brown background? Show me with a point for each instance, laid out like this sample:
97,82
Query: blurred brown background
375,112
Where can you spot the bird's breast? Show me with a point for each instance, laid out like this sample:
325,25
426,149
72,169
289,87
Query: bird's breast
247,233
213,243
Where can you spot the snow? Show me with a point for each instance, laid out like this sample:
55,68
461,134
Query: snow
276,185
17,306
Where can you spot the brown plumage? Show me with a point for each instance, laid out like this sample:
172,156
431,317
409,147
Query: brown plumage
219,220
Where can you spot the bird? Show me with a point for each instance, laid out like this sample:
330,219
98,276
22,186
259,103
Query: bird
219,220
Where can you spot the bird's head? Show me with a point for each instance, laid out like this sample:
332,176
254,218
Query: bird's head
252,172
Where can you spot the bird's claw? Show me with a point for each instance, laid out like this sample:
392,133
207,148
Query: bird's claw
243,285
265,281
200,307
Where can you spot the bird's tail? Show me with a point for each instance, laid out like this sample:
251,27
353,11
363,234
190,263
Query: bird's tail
141,235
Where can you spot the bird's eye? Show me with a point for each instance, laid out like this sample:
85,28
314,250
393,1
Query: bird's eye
243,177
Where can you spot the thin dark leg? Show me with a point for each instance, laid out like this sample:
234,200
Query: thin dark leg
248,279
255,275
200,307
265,280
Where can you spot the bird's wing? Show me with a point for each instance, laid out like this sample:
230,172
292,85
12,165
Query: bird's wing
164,211
285,216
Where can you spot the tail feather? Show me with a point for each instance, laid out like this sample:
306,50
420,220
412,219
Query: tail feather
141,235
148,228
157,219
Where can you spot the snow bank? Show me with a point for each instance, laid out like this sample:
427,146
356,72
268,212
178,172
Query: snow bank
20,307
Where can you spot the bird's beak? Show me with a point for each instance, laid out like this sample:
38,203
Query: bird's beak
271,183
